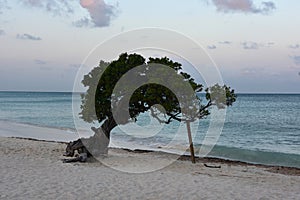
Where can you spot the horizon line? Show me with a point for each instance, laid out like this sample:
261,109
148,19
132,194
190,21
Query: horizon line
51,91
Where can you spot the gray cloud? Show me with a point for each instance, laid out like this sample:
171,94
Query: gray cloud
40,62
84,22
268,6
251,71
3,5
296,59
26,36
258,71
255,45
250,45
225,42
2,32
294,46
100,13
58,7
244,6
211,46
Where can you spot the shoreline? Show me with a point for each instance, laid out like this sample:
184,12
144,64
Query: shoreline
213,160
272,168
39,132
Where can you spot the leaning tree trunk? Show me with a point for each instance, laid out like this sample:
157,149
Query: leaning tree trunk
97,145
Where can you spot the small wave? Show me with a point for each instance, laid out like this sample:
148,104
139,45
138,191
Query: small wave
256,156
222,152
67,129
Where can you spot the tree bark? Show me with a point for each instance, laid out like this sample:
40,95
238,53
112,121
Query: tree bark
97,145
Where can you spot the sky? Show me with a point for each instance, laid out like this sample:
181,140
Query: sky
255,44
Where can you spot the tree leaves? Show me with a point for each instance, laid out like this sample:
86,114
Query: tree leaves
101,96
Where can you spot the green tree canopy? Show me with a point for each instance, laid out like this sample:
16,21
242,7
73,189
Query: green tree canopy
101,98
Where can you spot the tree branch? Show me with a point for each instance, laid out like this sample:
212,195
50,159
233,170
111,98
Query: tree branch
172,116
153,114
200,114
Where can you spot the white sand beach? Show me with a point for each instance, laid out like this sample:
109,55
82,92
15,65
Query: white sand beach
34,170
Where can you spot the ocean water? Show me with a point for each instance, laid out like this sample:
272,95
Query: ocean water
259,128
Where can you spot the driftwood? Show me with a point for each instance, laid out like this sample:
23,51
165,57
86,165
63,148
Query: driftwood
211,166
78,158
96,145
78,146
75,146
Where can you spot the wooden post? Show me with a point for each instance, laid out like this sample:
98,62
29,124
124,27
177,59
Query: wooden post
188,126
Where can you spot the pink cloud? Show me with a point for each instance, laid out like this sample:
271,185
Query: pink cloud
100,13
245,6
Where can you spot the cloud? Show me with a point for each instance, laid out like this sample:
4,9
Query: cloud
244,6
255,45
250,71
100,13
296,59
269,44
268,6
258,71
26,36
3,5
2,32
84,22
59,7
211,47
295,46
250,45
40,62
225,42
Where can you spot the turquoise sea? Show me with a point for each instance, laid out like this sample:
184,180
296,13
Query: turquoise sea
259,128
